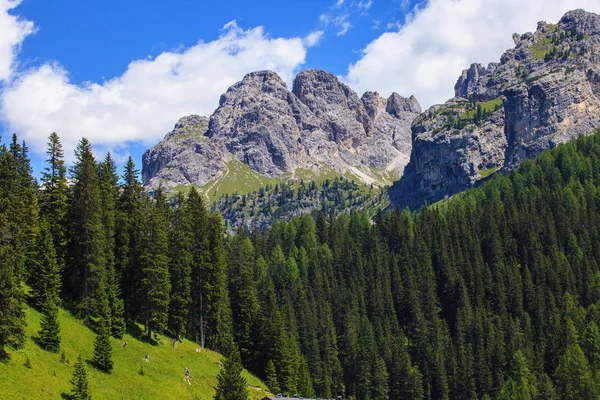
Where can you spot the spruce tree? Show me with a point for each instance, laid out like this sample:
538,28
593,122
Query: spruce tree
54,196
45,281
49,334
180,267
231,385
109,190
102,357
80,385
271,377
87,263
155,282
127,237
12,255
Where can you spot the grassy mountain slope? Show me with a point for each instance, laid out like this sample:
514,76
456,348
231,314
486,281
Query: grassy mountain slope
163,375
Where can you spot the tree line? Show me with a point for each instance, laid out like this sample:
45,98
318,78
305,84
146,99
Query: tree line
494,294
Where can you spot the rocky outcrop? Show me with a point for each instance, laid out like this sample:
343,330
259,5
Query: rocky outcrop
320,124
543,92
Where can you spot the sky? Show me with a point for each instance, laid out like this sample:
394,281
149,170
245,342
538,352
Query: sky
122,72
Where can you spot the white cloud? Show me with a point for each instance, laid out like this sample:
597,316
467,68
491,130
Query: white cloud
313,38
364,5
426,55
344,26
339,3
13,31
148,98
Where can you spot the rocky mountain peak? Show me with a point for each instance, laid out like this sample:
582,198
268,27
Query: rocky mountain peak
400,106
321,124
544,91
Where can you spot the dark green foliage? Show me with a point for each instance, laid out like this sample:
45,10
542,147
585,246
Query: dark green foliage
86,269
155,284
45,281
271,377
49,334
180,267
231,384
102,357
80,385
18,224
54,196
109,194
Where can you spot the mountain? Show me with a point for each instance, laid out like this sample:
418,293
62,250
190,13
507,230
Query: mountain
263,131
544,91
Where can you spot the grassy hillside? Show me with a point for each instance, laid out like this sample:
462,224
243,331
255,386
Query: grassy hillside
162,378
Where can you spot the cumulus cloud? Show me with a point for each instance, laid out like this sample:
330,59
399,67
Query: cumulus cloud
425,56
144,102
13,31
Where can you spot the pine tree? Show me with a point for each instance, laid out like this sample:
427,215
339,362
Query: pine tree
46,283
54,196
180,267
49,334
45,277
271,377
109,194
79,381
127,236
231,385
102,358
154,264
12,317
87,263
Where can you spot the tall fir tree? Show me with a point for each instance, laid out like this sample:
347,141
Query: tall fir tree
128,230
46,282
231,385
102,356
180,267
87,262
54,196
80,385
109,193
155,285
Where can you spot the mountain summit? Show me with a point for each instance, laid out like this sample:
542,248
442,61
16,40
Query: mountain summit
321,125
543,92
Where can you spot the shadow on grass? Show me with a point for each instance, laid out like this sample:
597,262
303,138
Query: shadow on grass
67,396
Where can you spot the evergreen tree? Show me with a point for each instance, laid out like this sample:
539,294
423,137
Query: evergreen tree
45,281
54,196
12,255
102,358
180,267
87,262
80,385
109,194
154,264
231,385
271,377
49,334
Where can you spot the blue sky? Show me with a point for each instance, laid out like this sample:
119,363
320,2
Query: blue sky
122,72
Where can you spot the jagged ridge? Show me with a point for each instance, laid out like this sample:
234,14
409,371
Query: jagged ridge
320,125
547,90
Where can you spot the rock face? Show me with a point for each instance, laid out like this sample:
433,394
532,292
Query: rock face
320,124
543,92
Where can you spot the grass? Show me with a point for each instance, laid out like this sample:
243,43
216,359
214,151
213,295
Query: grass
238,177
487,172
163,376
489,106
541,48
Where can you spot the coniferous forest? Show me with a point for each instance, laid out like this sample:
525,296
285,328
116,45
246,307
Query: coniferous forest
494,294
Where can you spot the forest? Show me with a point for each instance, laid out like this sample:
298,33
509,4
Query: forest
493,294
